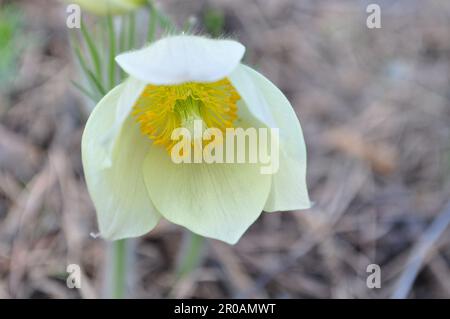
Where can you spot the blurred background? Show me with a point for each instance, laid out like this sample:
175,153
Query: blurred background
374,105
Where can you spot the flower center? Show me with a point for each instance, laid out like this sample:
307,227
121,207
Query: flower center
162,108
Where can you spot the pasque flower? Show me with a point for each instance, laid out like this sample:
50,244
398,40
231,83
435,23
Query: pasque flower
129,172
104,7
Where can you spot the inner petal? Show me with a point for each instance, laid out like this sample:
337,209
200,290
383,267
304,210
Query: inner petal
162,108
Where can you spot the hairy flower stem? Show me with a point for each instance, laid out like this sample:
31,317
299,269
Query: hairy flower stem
190,254
118,269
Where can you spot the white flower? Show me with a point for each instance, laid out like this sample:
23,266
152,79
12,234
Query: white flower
130,175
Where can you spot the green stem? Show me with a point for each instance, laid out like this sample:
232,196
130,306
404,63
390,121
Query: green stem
191,254
118,262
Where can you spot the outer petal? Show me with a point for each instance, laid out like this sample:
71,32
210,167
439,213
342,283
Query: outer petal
214,200
183,58
255,103
267,103
119,194
130,92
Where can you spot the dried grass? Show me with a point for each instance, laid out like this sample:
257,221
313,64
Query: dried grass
374,106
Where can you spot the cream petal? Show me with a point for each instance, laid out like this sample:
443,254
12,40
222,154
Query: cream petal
255,103
269,105
214,200
183,58
130,92
119,194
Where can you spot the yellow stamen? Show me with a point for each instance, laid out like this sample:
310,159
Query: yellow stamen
162,108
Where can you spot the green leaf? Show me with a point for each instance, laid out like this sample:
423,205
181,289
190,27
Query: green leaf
93,80
214,21
112,51
152,24
93,51
163,20
123,41
131,31
84,91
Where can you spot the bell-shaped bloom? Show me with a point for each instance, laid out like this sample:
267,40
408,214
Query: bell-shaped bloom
104,7
126,146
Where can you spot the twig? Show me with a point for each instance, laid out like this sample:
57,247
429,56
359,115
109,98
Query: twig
420,252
